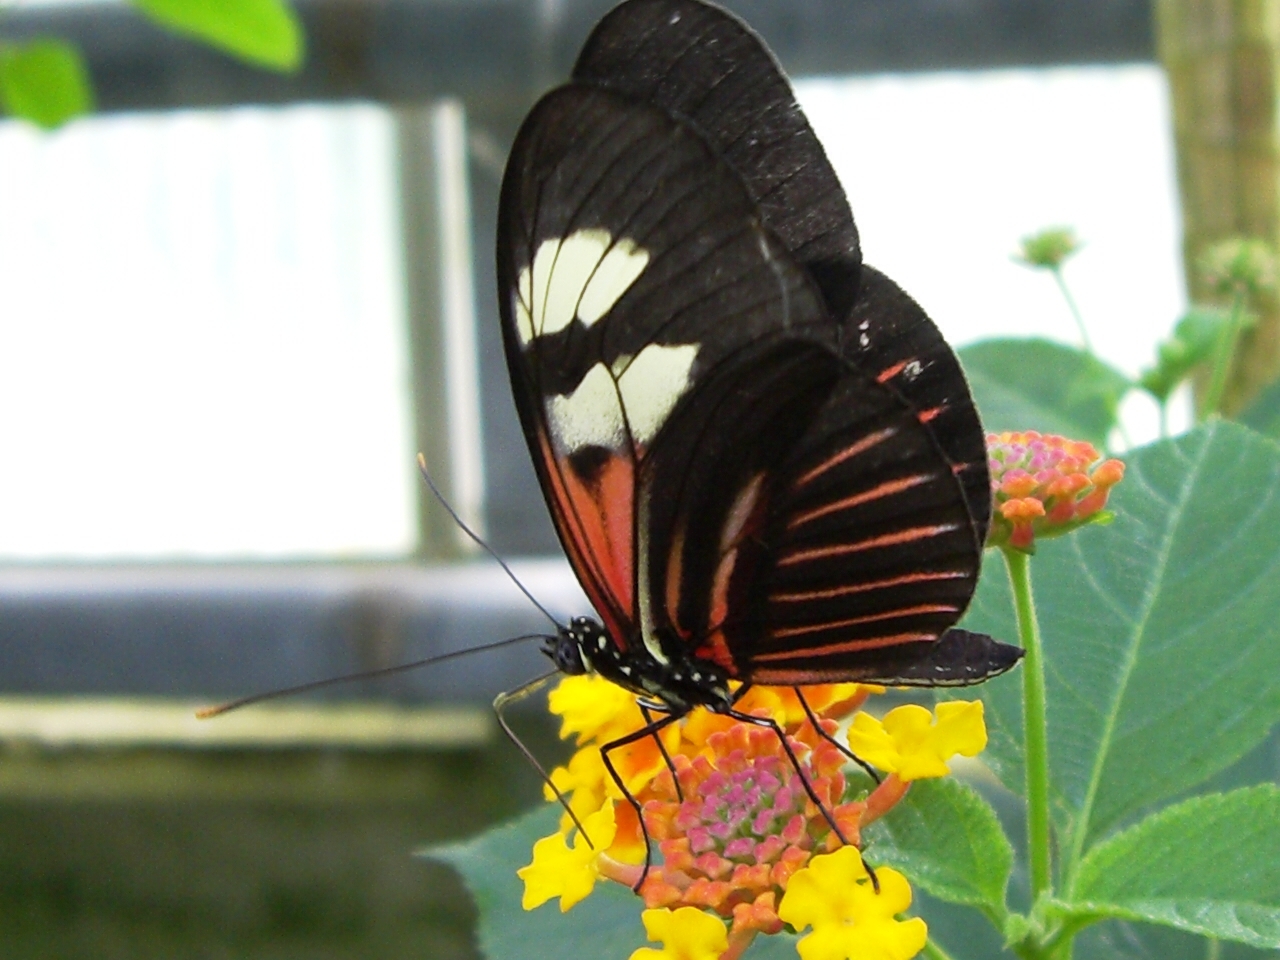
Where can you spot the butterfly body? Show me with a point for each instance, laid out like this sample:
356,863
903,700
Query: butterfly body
584,646
761,457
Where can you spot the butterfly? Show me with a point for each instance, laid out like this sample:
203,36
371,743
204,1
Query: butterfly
761,457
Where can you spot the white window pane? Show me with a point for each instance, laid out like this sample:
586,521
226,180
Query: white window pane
202,337
946,172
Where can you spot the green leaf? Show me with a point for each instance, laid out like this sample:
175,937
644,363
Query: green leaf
264,32
488,865
946,839
1210,865
1161,632
44,81
1123,940
1264,413
1045,386
609,917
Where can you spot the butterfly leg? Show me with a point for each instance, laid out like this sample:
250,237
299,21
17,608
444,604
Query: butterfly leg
771,724
645,711
519,693
817,727
650,729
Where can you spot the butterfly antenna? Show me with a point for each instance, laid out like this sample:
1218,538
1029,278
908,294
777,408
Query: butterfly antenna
422,467
500,702
208,712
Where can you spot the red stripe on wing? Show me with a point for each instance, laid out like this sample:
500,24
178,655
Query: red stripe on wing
866,443
849,646
595,523
871,543
886,489
868,618
888,373
869,586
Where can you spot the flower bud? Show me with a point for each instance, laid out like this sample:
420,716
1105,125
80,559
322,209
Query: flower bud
1048,248
1045,486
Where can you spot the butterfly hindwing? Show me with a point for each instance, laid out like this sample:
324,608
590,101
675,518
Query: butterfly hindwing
890,337
804,526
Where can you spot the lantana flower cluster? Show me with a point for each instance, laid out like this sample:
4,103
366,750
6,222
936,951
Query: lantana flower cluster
1046,485
739,847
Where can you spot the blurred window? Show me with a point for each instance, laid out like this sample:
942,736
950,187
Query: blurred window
202,351
204,346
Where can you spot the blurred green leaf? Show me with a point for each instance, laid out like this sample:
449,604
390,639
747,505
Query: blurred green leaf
44,81
1192,343
607,923
946,839
264,32
1161,631
488,865
1045,386
1263,414
1123,940
1210,865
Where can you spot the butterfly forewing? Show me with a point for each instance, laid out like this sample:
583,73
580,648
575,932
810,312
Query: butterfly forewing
633,263
703,65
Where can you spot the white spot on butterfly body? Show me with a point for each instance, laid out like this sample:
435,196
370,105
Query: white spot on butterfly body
647,386
912,370
580,276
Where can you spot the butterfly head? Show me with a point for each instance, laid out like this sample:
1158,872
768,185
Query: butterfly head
568,649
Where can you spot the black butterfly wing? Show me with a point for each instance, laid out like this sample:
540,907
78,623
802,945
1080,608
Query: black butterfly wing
814,532
891,338
753,448
703,65
632,266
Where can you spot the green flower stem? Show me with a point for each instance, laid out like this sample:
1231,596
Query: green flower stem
1035,730
1084,333
1222,359
1075,311
935,952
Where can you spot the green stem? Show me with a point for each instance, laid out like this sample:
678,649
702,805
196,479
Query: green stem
1084,334
1034,725
1223,359
935,952
1164,418
1075,311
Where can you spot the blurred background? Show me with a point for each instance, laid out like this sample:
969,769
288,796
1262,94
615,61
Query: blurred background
239,295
